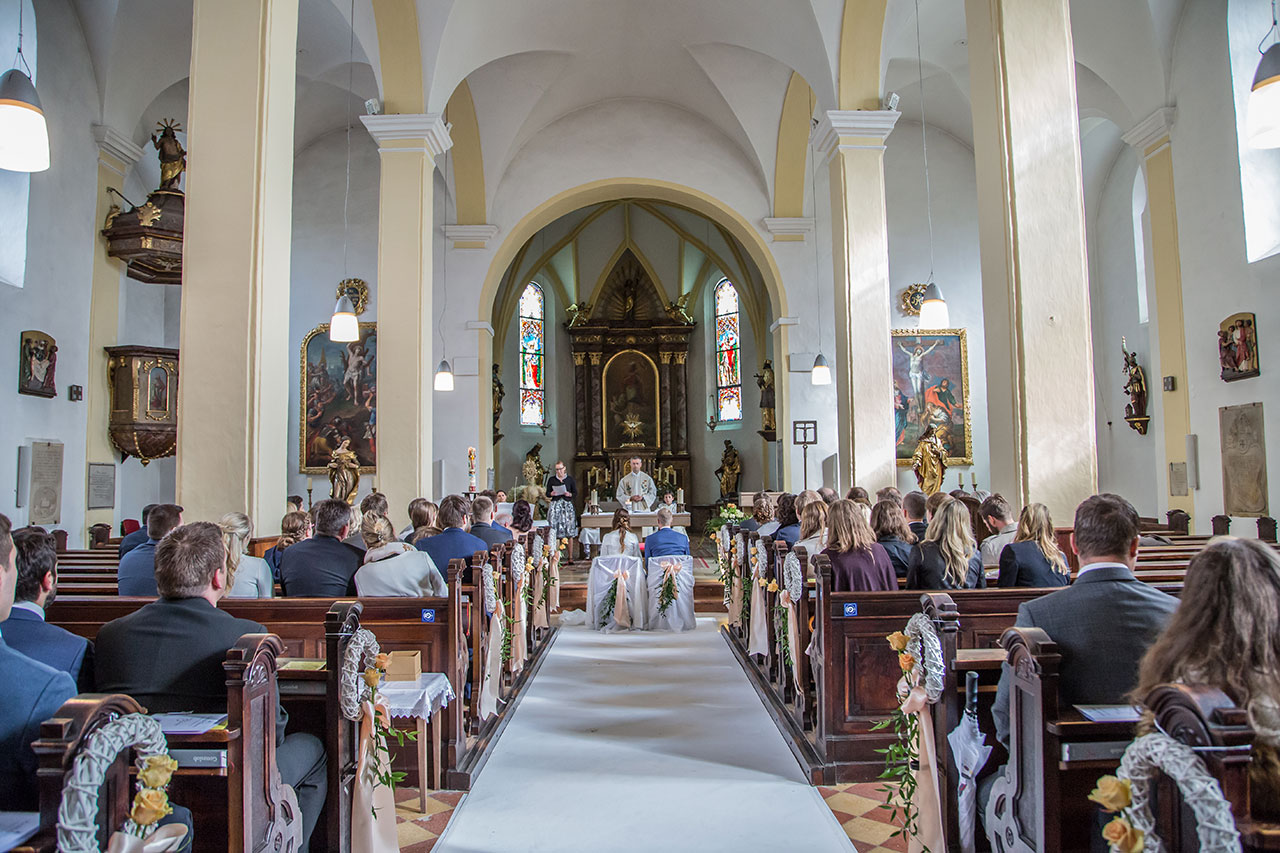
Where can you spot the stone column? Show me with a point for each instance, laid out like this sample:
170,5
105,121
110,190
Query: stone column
664,393
1034,264
597,425
680,399
234,396
1150,139
116,153
853,142
408,146
582,405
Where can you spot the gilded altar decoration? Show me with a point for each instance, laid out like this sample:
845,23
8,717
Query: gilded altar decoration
143,382
678,311
534,474
910,299
768,415
1135,386
630,401
929,462
148,237
931,390
579,313
729,472
357,291
1238,347
344,473
339,394
37,362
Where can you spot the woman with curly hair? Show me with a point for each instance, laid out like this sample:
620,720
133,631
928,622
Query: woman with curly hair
761,513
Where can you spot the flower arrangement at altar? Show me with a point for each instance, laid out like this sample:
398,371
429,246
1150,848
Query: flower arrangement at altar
901,758
668,593
729,513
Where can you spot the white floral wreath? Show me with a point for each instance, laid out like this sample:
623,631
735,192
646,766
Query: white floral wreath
793,576
361,652
924,646
490,595
1156,752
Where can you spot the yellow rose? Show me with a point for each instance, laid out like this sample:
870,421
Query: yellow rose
1112,793
156,771
149,806
382,661
371,677
773,586
763,582
907,661
1121,835
897,641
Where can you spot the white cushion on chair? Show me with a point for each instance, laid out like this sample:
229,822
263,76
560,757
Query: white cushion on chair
679,616
598,581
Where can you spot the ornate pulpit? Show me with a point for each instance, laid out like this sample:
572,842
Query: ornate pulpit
630,357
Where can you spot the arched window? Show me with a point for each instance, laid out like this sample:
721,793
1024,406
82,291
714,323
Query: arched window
728,351
15,186
1140,242
533,392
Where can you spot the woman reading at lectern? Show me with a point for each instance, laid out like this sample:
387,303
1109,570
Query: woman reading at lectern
562,491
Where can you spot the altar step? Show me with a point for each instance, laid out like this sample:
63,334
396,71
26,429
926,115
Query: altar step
708,596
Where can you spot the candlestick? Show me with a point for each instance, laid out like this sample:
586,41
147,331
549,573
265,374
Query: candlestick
973,477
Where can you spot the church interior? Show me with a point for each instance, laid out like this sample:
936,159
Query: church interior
502,291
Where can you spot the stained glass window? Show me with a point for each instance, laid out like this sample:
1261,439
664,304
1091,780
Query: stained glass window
532,348
728,351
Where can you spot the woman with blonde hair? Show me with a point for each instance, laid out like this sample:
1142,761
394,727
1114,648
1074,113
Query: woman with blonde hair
393,567
948,557
620,539
294,527
813,527
1226,634
1033,557
858,562
250,576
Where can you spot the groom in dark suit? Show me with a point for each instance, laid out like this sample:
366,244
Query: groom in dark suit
168,655
25,629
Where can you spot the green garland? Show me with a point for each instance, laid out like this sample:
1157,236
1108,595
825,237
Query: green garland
668,594
506,632
784,635
526,591
899,775
382,772
610,600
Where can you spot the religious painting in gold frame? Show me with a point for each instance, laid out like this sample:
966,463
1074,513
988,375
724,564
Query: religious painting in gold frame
630,402
338,398
931,388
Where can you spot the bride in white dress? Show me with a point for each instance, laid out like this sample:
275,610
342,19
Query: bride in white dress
620,539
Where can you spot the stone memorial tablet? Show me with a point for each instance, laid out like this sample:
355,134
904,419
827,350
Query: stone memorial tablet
46,482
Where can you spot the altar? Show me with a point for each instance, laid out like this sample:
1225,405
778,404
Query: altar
604,520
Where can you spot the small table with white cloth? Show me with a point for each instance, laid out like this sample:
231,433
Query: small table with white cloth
422,699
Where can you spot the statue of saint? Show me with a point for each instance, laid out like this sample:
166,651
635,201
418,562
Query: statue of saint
173,157
1135,384
629,289
929,462
764,379
344,473
729,472
498,393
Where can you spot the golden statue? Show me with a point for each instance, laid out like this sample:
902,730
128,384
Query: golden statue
173,157
679,310
929,462
344,473
579,313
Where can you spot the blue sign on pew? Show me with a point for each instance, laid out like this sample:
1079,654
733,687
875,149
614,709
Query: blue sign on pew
428,615
851,608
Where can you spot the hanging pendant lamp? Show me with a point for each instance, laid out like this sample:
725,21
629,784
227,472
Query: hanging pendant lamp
821,374
24,134
344,327
1262,122
444,376
933,309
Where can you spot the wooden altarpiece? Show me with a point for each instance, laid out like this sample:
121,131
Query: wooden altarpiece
630,369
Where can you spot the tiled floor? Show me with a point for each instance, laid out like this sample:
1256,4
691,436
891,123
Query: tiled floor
857,807
417,831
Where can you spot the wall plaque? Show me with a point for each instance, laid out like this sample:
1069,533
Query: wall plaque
1244,460
102,486
46,483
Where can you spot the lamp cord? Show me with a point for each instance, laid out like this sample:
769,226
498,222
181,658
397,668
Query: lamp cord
444,273
924,140
1274,25
20,53
346,198
813,185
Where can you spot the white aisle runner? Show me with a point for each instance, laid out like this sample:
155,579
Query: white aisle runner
646,742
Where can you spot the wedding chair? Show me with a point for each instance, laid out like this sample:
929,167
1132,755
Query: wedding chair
679,615
629,571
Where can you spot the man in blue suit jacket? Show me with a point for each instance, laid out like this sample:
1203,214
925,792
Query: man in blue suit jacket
137,572
665,542
25,630
482,526
137,537
33,693
453,542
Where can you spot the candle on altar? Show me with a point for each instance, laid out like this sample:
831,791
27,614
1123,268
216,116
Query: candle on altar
973,478
309,484
680,496
595,500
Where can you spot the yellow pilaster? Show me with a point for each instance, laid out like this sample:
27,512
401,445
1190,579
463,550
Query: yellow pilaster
1150,138
233,398
1034,265
116,153
408,145
854,141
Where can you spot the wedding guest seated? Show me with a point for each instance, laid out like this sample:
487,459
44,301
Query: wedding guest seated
761,514
293,503
915,511
34,692
137,537
803,499
323,565
889,493
813,527
406,532
665,542
423,519
858,562
392,567
136,574
503,520
168,655
859,495
891,530
998,515
482,525
250,575
788,522
947,557
1226,634
521,516
294,527
828,495
934,502
355,517
25,630
1033,558
620,539
453,542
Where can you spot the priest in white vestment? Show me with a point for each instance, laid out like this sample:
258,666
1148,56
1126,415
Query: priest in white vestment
637,491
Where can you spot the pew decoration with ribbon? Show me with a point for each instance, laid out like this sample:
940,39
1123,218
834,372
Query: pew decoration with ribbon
536,592
515,643
788,630
497,648
78,811
553,575
669,592
724,559
615,601
754,610
363,668
733,593
910,767
1127,795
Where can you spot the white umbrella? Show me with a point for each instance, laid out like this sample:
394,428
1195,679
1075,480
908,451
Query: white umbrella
969,750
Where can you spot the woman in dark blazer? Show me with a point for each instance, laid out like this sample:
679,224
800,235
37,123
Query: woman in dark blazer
1033,557
948,558
858,562
788,522
892,533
